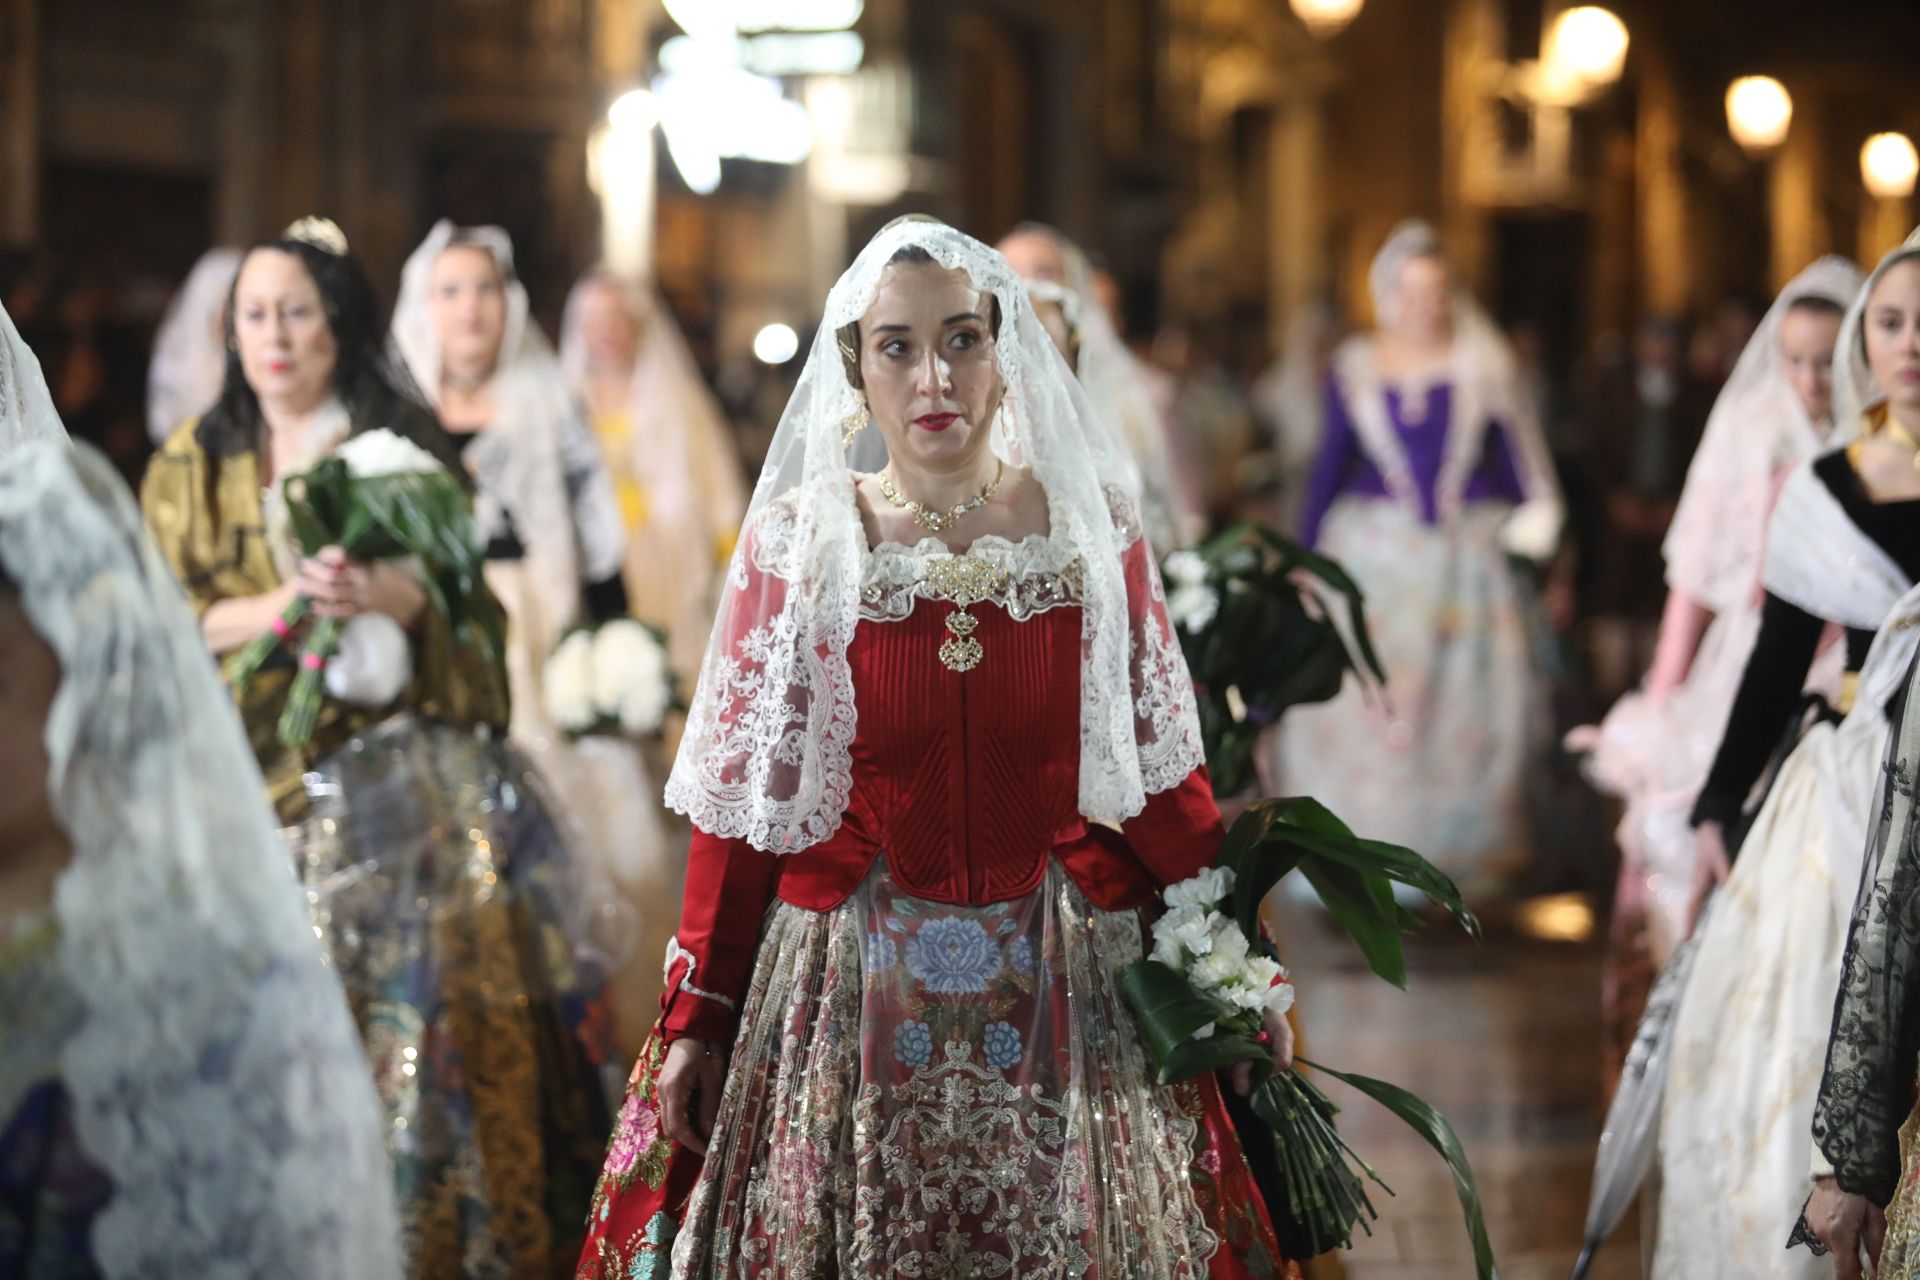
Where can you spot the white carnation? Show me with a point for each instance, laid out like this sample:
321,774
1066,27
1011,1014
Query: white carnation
1215,973
1230,941
1167,949
631,682
1192,928
1242,996
1280,997
1186,569
1193,607
382,453
568,684
1203,890
1206,1032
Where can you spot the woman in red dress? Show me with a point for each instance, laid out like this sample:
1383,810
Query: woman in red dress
942,757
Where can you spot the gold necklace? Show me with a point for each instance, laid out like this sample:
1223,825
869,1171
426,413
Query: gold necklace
938,521
1902,437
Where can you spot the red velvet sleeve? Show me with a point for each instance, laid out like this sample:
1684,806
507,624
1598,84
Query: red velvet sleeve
1179,832
729,885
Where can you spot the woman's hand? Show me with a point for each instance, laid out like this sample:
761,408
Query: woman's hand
1845,1224
1711,867
1279,1041
689,1088
343,587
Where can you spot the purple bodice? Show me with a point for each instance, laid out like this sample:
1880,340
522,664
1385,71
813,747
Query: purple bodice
1344,469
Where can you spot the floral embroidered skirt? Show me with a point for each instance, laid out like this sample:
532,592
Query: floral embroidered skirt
941,1091
1440,761
435,877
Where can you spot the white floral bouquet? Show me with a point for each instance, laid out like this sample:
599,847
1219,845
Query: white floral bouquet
1197,939
379,496
610,679
1202,995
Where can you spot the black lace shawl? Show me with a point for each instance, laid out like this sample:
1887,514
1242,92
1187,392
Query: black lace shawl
1873,1053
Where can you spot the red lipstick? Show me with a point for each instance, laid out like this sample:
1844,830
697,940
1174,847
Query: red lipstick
936,421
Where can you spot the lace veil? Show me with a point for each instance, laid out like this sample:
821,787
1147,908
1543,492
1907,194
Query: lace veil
216,1074
26,406
1121,399
682,447
189,350
1758,425
537,438
766,753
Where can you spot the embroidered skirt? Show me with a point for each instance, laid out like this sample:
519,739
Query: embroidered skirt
1439,761
1749,1039
933,1090
434,876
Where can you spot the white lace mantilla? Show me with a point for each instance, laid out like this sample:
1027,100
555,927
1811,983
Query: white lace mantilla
766,755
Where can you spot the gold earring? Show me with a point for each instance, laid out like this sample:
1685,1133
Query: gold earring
855,423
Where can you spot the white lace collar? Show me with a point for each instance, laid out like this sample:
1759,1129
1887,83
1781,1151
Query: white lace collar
1038,572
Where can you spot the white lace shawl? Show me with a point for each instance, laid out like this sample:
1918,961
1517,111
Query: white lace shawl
537,461
1486,389
189,349
26,406
766,754
1716,544
216,1076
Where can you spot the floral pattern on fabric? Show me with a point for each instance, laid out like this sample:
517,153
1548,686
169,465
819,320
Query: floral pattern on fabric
432,877
927,1089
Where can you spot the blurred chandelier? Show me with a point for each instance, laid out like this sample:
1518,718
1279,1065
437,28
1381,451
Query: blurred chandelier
1759,113
1326,18
1889,165
1583,54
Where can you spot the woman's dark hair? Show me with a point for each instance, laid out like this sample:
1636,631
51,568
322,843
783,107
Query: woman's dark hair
1814,304
374,387
847,336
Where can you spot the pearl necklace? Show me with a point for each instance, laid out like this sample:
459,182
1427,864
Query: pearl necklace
939,521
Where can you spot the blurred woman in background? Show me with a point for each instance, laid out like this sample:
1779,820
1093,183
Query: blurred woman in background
555,555
1431,472
434,874
669,448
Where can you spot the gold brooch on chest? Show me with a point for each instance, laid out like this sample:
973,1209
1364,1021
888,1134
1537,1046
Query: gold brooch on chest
963,582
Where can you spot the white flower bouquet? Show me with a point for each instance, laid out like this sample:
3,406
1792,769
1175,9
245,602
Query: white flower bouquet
610,679
379,496
1201,998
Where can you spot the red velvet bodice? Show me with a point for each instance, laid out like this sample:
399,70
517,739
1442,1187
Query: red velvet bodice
966,781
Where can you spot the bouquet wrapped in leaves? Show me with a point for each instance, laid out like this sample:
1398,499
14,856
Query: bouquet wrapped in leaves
1201,995
1265,625
377,497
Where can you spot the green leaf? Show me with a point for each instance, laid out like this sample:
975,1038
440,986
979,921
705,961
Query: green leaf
1433,1127
1168,1008
1218,1051
1355,906
1353,875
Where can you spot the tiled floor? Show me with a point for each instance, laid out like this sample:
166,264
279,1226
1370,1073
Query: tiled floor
1502,1037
